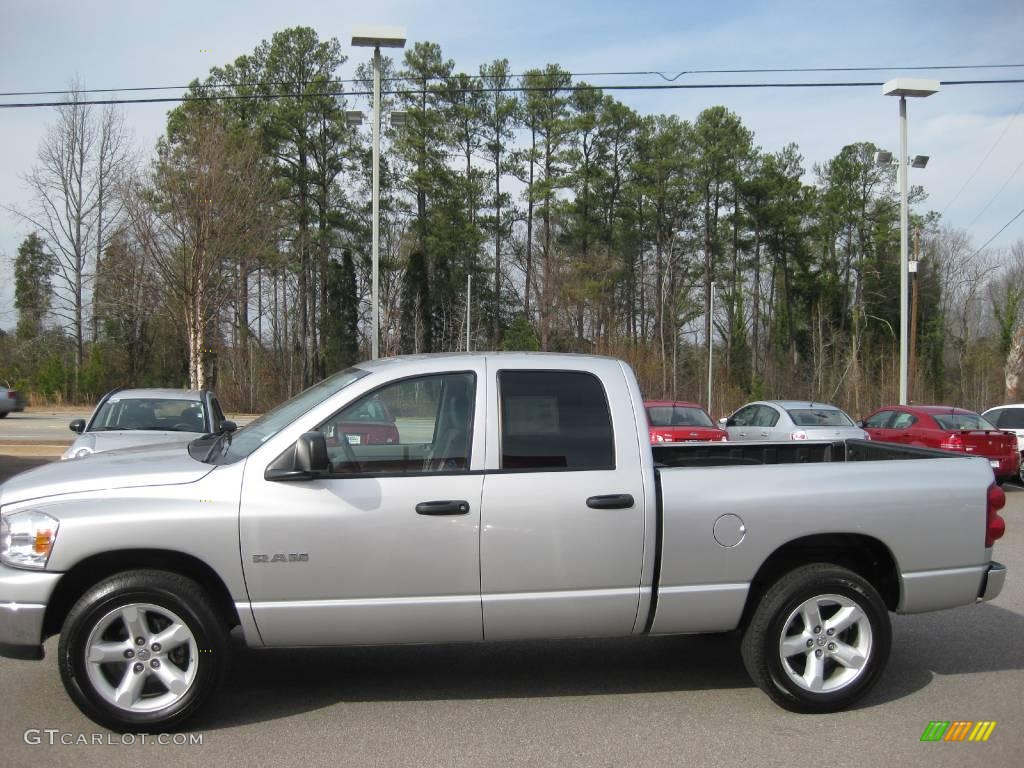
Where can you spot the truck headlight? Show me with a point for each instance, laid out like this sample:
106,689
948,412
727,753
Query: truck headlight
26,538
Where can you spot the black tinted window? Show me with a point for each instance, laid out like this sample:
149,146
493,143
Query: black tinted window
554,420
1010,418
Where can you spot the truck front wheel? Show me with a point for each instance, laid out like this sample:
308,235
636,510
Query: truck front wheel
142,651
818,640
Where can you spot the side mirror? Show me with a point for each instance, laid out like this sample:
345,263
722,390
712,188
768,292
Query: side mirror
860,423
227,426
723,422
311,453
305,460
78,425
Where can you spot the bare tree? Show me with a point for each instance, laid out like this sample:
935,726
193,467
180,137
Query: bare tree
204,203
71,186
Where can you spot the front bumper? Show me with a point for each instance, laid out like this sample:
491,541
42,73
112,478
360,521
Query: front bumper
23,598
993,582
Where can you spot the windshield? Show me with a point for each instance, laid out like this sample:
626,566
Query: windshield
158,414
677,416
253,435
819,417
961,421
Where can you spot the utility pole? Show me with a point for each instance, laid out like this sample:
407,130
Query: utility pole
469,297
913,311
711,344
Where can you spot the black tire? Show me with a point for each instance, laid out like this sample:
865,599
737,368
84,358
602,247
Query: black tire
165,590
762,638
3,414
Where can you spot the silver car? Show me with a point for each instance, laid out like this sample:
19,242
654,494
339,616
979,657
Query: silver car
791,420
1010,418
128,418
10,400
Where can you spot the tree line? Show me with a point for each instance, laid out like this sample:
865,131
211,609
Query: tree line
237,252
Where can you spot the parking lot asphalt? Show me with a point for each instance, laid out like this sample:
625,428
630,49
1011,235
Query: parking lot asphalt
674,701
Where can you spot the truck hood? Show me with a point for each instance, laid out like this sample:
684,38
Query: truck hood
130,468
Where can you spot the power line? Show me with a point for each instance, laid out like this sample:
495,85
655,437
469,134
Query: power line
997,234
993,199
627,73
510,89
984,159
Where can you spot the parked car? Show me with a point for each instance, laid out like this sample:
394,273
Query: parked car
671,421
948,428
369,424
791,420
126,418
1010,418
10,400
531,508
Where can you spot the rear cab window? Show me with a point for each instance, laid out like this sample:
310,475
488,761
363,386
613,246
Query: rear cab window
554,420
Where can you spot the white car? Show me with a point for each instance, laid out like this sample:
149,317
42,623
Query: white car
1010,418
791,420
128,418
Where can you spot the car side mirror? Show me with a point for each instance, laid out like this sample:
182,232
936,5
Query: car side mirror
227,426
305,460
311,453
78,425
860,423
723,422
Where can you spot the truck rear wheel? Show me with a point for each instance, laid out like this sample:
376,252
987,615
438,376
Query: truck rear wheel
143,651
819,639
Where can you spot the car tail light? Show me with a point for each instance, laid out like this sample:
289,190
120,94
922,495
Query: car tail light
798,435
12,394
953,442
995,526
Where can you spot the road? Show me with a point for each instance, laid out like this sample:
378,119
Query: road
642,702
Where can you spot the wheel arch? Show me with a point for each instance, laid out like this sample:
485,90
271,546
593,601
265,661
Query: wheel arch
865,555
92,570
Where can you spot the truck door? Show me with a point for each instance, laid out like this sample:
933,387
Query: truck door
561,544
386,548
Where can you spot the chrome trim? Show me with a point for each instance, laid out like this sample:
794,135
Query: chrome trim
995,577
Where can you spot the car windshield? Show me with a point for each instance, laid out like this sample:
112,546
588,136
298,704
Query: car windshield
819,417
227,449
677,416
961,421
149,413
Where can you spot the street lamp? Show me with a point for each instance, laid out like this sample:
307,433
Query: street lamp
376,37
904,87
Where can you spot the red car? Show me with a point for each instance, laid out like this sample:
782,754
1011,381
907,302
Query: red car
951,429
368,423
680,422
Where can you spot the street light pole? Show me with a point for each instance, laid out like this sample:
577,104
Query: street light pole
904,268
376,38
375,247
904,87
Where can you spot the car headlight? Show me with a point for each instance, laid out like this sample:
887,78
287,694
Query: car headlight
76,453
26,538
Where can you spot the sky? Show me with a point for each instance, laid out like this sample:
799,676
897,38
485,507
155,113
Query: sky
974,135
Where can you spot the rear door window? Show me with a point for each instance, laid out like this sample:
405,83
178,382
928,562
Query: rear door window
904,420
1010,418
880,420
554,420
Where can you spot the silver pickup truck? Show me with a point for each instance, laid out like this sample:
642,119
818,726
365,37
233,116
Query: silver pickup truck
476,497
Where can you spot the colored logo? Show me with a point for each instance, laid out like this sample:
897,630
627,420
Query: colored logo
958,730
